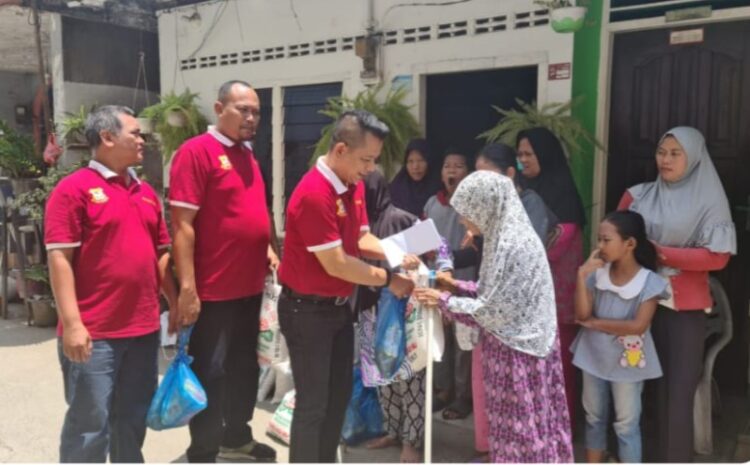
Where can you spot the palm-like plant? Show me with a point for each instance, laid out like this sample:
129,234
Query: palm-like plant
553,116
391,110
176,118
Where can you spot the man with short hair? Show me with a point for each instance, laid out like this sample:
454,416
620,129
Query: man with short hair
107,246
222,253
326,233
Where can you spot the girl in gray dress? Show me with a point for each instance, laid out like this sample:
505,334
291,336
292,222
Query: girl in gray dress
616,297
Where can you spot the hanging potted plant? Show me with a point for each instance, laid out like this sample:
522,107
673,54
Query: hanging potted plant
563,15
72,130
175,119
390,109
554,116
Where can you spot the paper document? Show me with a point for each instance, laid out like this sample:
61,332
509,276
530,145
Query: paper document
420,238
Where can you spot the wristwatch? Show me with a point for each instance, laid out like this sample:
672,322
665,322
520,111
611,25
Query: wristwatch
388,277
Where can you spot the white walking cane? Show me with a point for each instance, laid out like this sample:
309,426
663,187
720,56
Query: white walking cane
428,382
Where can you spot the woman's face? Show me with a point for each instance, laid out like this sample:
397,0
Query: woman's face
454,170
416,165
528,159
470,227
671,160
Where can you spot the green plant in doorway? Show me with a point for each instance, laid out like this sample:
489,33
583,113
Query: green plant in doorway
389,108
554,4
176,118
18,158
554,116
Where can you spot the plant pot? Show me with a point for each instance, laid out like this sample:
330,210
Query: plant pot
176,118
568,19
43,311
21,185
147,126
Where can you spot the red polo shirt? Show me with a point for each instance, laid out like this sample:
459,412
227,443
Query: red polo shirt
322,214
222,181
116,230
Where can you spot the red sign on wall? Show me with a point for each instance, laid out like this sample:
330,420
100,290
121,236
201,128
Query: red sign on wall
558,71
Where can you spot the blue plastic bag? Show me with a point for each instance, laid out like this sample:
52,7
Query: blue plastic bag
180,395
390,333
364,419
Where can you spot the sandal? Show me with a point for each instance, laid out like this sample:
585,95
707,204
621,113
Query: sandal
458,410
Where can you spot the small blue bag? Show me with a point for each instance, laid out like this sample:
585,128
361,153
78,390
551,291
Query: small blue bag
390,333
364,419
180,395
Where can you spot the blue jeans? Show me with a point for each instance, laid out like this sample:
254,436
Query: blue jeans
627,399
108,398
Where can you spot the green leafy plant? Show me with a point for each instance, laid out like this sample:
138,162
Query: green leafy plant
17,155
391,110
176,118
72,127
33,202
553,4
38,273
553,116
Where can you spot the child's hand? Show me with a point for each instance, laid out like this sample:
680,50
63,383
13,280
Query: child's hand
592,264
445,282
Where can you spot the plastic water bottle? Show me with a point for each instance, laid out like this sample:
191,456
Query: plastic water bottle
431,277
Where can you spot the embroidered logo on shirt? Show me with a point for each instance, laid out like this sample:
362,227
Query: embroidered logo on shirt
633,355
98,195
225,163
340,209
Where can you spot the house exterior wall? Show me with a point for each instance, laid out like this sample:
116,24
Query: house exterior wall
280,44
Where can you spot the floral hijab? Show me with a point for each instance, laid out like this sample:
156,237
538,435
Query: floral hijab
516,299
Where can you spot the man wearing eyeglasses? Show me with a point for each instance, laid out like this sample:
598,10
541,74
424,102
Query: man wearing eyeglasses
326,233
222,252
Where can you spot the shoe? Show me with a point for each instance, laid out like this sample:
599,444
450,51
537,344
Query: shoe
253,451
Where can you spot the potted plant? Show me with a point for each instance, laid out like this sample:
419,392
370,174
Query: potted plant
72,131
553,116
390,109
41,304
18,159
564,16
175,119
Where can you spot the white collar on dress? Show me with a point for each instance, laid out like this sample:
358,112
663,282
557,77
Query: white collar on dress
108,173
328,173
629,290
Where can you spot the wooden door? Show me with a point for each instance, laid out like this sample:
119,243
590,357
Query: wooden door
656,86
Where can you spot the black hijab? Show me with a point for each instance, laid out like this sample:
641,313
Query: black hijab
412,195
385,219
555,182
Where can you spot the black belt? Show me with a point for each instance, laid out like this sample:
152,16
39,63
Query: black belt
316,299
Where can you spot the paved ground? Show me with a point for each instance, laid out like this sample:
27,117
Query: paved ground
32,408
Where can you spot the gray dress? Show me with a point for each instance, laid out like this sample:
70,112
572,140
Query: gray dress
619,359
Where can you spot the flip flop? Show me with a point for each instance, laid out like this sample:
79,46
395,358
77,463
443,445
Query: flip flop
458,410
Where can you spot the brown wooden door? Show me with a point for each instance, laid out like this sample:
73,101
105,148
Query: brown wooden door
656,86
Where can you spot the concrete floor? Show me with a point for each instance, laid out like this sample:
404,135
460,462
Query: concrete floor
32,408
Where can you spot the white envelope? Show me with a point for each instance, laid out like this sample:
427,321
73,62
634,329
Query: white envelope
420,238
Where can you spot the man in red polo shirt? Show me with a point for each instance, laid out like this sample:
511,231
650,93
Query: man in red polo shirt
107,250
222,252
326,233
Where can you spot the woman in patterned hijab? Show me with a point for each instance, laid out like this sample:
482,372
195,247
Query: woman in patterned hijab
513,304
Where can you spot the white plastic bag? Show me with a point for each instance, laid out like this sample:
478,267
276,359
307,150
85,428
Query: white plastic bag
416,329
271,344
280,426
284,381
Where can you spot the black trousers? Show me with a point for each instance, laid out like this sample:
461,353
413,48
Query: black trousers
679,338
223,346
321,348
